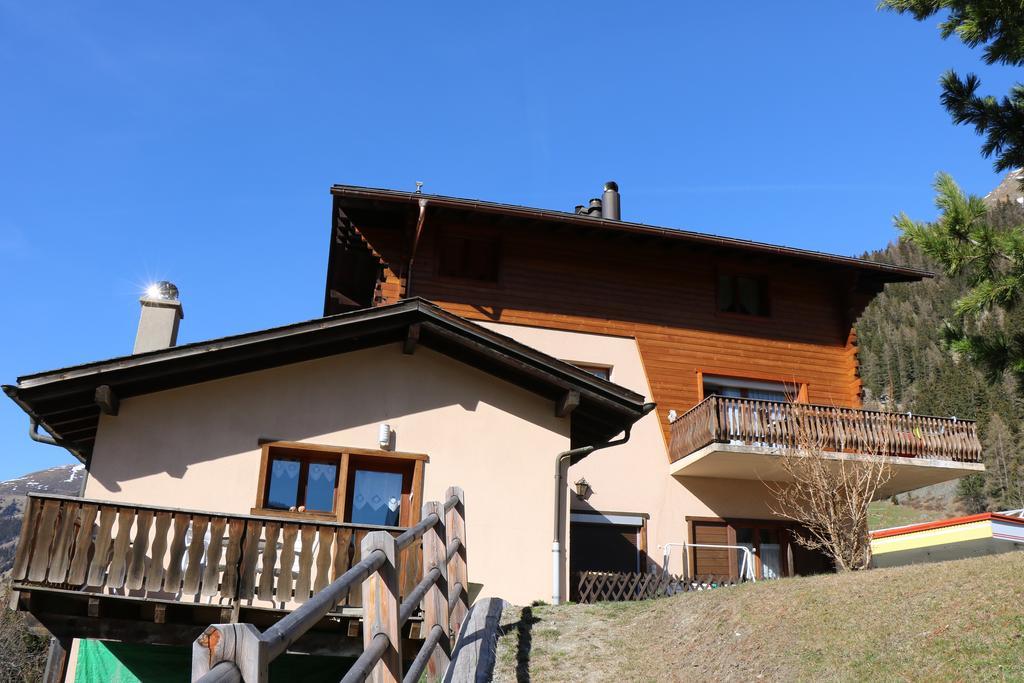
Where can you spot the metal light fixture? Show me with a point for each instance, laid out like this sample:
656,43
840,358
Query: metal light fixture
162,291
582,486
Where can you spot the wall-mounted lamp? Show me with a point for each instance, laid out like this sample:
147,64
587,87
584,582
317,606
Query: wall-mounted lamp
582,487
384,436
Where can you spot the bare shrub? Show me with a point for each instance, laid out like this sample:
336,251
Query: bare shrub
22,655
828,495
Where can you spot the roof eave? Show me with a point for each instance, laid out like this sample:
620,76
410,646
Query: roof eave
897,273
72,389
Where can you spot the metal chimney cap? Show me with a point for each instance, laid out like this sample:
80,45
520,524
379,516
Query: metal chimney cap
611,185
162,291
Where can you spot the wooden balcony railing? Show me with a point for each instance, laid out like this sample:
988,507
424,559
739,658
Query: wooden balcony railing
188,555
752,422
237,653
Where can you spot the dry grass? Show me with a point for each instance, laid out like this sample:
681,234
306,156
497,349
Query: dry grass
883,515
953,621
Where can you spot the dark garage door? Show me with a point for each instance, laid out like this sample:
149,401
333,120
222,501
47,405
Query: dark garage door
601,548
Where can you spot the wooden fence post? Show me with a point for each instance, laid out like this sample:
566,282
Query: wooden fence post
455,525
380,608
435,602
231,646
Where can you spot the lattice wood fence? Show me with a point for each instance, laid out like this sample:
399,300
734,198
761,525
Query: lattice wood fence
627,586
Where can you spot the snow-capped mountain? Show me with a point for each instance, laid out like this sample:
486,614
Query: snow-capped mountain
65,480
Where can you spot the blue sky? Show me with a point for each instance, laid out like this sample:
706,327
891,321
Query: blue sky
197,141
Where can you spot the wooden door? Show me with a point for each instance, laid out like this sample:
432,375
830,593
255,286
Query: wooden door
712,562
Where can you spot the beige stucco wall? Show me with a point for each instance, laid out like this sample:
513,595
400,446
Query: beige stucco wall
634,477
196,447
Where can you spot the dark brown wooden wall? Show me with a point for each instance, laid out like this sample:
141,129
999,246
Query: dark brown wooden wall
662,295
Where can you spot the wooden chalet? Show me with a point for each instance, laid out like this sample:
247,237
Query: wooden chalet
657,372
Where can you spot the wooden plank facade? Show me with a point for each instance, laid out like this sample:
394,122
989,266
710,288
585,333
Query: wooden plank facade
662,292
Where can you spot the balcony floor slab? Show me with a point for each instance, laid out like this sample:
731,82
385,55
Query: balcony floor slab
744,461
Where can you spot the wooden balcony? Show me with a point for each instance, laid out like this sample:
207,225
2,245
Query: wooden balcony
738,437
96,569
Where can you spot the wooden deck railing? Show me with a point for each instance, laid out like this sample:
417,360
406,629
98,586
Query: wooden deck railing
187,555
752,422
240,652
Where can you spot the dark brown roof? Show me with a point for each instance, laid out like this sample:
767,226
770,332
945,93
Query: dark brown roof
886,272
64,403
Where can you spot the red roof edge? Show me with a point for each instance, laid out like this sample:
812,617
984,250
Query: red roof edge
925,526
954,521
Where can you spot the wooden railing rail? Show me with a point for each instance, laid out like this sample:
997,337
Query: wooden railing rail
720,419
189,555
239,652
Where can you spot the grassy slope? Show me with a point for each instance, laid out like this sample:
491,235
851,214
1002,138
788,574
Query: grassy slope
959,620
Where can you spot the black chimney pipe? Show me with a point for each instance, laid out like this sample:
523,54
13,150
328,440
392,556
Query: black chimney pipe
610,201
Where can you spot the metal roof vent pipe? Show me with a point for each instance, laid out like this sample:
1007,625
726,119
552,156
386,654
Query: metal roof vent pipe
594,210
158,322
610,201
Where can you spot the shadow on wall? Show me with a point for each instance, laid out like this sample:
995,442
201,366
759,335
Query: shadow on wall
606,284
744,499
168,431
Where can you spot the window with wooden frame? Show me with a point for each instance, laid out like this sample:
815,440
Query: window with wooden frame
742,387
341,484
468,256
743,295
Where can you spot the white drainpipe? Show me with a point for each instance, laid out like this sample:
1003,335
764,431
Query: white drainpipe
562,461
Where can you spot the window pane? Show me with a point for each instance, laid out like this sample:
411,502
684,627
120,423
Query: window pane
284,484
320,487
771,555
767,395
480,261
749,299
452,256
743,294
474,258
719,390
745,538
725,294
596,370
376,497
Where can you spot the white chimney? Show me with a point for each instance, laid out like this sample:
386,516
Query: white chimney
158,323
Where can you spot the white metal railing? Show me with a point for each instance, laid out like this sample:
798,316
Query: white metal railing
746,566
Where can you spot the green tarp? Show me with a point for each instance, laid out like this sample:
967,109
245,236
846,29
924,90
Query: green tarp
107,662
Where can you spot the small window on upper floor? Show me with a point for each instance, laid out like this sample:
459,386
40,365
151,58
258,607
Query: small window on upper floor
468,257
602,371
743,294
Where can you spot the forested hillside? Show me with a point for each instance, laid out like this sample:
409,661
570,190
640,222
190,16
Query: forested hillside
906,366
